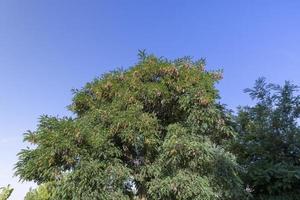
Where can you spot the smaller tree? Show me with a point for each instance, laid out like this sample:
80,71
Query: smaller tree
5,192
268,144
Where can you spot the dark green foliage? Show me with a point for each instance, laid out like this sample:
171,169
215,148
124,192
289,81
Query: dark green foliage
154,131
269,141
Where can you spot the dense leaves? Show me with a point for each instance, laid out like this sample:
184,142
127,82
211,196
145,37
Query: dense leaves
154,131
268,145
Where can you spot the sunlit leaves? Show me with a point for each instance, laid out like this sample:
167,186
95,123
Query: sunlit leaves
157,124
5,192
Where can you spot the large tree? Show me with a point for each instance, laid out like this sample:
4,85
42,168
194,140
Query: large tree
154,131
268,145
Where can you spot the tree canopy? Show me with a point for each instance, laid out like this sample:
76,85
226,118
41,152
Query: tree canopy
153,131
268,145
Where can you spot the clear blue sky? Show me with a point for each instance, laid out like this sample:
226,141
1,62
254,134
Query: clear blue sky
49,47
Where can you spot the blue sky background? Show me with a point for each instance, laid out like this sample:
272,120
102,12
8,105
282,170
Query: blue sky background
49,47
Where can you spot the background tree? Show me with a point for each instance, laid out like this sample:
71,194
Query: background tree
5,192
268,145
154,131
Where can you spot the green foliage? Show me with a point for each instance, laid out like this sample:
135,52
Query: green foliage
154,131
5,192
42,192
268,145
